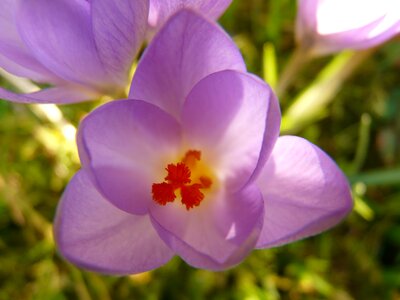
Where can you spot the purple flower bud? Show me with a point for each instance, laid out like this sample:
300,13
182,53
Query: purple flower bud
327,26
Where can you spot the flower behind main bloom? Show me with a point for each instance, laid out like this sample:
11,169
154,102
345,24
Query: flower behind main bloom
326,26
83,49
192,165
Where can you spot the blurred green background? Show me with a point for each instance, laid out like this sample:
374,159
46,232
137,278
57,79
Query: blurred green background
359,126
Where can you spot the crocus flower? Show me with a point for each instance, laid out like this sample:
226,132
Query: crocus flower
327,26
191,165
83,49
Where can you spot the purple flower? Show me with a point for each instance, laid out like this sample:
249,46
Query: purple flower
327,26
84,49
192,165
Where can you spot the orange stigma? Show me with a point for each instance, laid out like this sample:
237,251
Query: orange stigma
179,177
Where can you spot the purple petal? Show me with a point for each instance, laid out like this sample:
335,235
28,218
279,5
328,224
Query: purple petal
187,49
355,39
95,235
14,56
161,10
119,28
59,34
306,20
58,95
304,192
11,66
233,118
216,235
127,144
362,24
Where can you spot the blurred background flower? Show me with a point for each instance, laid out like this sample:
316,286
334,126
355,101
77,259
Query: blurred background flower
83,49
326,26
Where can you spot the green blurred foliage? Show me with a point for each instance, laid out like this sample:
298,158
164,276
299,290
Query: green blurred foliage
359,259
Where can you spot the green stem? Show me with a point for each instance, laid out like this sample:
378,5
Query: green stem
311,103
98,285
49,112
269,64
21,84
362,145
296,63
378,177
79,283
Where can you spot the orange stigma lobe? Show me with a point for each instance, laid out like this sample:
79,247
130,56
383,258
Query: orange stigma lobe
191,195
163,193
178,174
191,157
179,177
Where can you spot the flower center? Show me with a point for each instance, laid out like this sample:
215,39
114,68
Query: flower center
187,176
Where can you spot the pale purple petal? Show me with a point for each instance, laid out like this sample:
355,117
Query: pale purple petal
233,118
94,234
59,34
187,49
304,192
306,21
14,55
327,26
57,95
11,66
127,144
161,10
119,28
216,235
355,39
9,36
